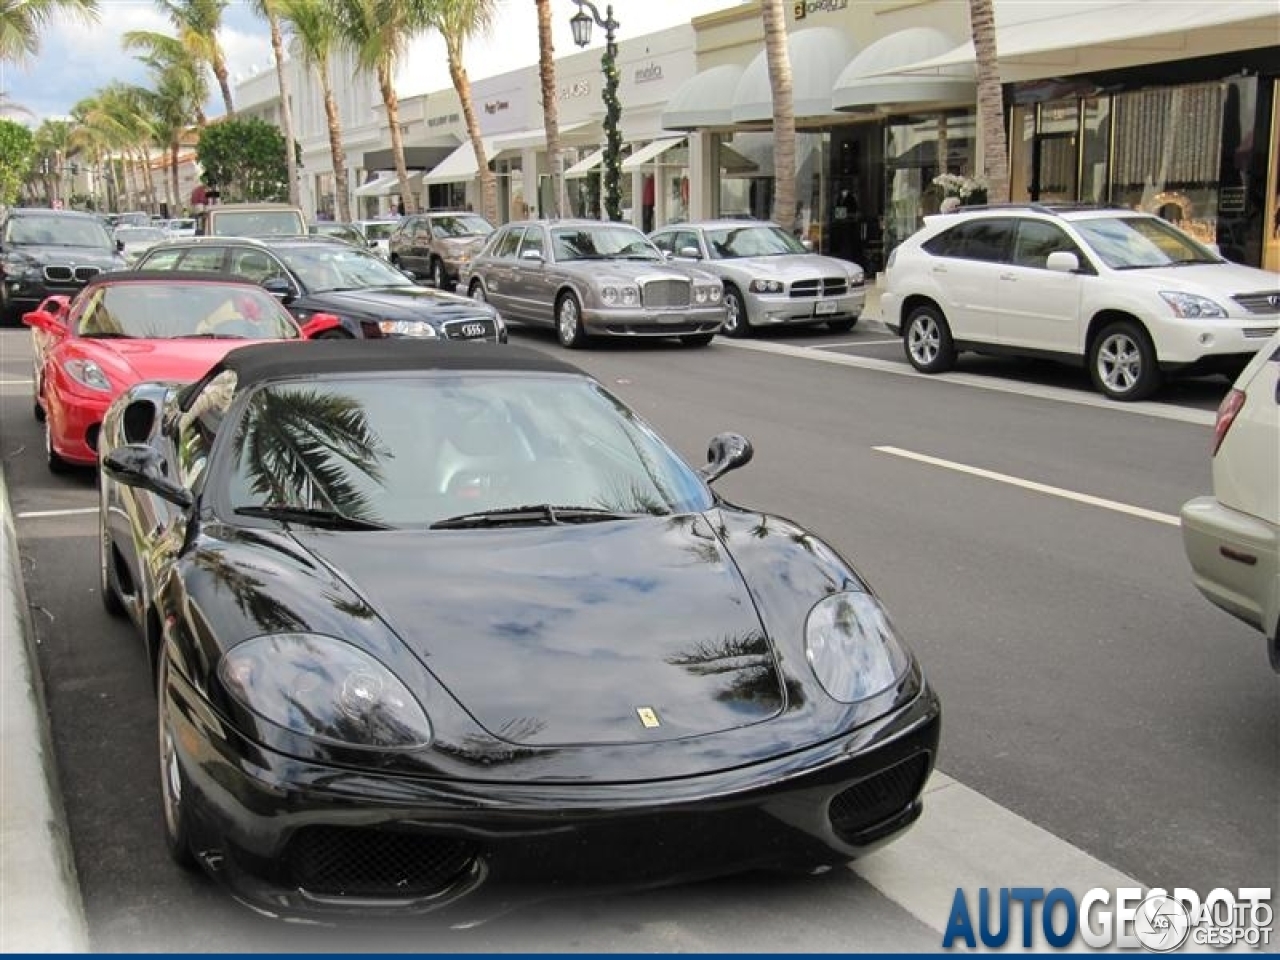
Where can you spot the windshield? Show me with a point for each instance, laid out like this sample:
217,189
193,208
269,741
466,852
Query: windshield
477,442
168,309
140,235
182,224
324,267
1135,243
256,223
340,230
379,231
463,225
59,232
602,243
765,240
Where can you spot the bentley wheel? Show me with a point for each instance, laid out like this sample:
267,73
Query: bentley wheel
56,463
697,339
735,314
107,586
569,322
928,340
1122,362
173,785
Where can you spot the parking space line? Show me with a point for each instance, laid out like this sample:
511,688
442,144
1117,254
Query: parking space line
856,343
16,383
1089,499
42,514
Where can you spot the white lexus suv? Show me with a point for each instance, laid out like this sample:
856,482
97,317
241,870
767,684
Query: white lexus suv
1125,293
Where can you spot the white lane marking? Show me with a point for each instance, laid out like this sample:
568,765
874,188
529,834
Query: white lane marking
1065,494
16,383
964,840
855,343
42,514
1145,408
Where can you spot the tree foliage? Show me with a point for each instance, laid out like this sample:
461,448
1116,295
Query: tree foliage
244,160
17,148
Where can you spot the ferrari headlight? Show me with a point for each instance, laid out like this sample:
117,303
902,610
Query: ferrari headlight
407,328
325,689
1190,305
87,374
852,647
765,286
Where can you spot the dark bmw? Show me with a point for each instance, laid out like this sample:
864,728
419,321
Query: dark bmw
511,639
311,275
49,252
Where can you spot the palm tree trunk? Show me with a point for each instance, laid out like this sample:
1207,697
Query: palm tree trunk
488,183
286,109
551,109
784,117
175,201
152,196
335,144
995,148
224,81
389,100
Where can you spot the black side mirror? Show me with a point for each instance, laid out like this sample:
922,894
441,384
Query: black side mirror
725,452
280,288
138,465
119,246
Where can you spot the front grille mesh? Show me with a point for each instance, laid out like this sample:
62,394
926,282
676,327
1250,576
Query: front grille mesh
360,862
826,287
665,293
64,274
1262,302
863,806
466,329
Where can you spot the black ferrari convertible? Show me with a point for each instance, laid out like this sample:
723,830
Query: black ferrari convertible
427,621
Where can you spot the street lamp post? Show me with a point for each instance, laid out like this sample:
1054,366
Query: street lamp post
612,160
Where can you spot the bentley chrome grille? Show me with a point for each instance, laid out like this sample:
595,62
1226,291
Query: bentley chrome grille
665,293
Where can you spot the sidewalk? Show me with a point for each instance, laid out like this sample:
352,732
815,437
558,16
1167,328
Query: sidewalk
40,909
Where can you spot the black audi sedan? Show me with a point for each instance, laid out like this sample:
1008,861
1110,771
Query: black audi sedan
44,253
510,640
311,275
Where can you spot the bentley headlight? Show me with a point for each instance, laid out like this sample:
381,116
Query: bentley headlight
609,295
325,689
1190,305
87,374
765,286
852,647
630,296
407,328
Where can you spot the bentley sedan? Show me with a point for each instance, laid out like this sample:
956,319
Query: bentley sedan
586,278
403,662
770,278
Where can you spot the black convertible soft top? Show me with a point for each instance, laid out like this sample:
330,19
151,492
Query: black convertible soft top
306,358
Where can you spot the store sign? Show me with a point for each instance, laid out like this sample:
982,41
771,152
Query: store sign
649,74
443,120
1231,200
496,106
805,7
571,91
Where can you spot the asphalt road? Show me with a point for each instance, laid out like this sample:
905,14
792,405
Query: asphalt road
1087,686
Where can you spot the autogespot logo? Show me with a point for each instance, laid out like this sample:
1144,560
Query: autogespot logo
1130,918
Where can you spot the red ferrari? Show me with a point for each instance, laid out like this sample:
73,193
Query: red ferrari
130,326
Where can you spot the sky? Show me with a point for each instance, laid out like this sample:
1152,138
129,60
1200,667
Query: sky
76,59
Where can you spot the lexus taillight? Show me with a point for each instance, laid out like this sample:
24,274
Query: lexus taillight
1227,411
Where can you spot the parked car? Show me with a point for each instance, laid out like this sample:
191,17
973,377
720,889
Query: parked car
135,241
320,275
347,232
1126,294
1232,538
408,659
587,278
251,220
770,278
378,235
181,227
128,326
47,252
437,246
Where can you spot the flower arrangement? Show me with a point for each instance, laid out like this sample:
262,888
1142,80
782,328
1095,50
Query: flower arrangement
966,189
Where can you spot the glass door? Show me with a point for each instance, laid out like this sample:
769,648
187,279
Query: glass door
1055,164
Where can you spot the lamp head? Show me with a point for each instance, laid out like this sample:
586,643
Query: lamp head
581,24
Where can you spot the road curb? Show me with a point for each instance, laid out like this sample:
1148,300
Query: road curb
40,907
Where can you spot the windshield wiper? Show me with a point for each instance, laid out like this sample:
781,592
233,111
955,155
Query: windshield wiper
311,516
106,335
210,336
535,513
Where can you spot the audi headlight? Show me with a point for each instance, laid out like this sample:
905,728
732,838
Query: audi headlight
407,328
1190,305
765,286
852,647
325,689
87,374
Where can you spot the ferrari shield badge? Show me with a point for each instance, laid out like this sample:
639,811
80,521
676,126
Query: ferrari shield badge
648,717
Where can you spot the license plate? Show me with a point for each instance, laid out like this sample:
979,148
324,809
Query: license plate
825,306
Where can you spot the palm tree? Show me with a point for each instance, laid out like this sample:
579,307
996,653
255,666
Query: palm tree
162,53
22,21
175,100
197,23
995,147
269,11
378,33
53,146
457,20
784,117
315,34
551,108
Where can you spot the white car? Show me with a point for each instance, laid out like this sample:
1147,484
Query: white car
133,242
1232,538
1125,293
378,234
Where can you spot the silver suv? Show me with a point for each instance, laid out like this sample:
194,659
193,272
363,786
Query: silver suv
1124,293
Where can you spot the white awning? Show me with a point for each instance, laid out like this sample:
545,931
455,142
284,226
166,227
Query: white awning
735,164
817,57
651,151
872,78
381,186
459,166
704,100
585,165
